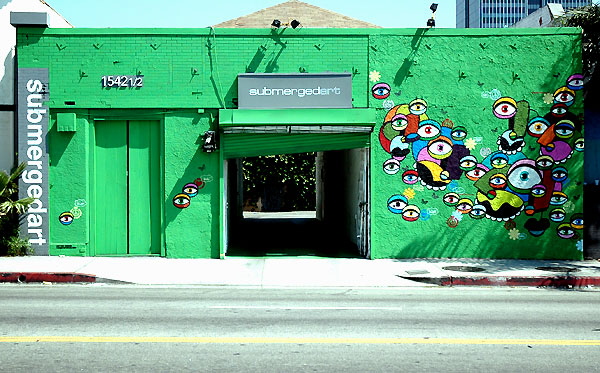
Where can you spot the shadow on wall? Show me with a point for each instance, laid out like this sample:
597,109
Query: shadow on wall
200,180
416,247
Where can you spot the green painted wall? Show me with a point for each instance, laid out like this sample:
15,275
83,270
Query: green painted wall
458,80
457,75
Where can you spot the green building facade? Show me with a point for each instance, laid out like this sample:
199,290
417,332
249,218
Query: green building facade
469,143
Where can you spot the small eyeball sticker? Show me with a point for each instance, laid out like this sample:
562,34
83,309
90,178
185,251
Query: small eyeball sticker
190,190
67,217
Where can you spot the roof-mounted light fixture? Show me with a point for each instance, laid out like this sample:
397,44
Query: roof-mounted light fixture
293,23
431,21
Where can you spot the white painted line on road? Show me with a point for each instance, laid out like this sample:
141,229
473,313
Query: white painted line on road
298,340
306,308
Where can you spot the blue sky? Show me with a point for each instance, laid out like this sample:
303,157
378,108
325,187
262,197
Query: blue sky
203,13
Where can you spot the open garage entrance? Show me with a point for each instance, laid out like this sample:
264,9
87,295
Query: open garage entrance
334,222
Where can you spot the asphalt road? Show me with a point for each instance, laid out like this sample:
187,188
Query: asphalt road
103,328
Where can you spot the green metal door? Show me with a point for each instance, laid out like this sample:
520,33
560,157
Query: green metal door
127,188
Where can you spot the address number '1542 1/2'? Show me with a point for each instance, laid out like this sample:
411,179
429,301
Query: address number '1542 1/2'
122,81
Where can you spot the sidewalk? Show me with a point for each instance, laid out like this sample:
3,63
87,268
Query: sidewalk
302,272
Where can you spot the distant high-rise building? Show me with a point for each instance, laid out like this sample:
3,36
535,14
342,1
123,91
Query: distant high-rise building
502,13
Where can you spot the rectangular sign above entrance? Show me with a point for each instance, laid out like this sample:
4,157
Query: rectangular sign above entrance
278,91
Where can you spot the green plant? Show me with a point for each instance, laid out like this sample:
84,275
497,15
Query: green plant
588,18
284,182
10,209
17,246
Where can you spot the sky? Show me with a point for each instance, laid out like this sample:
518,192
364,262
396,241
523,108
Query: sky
204,13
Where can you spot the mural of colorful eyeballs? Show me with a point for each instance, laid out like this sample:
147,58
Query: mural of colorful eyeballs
537,227
411,213
477,211
575,82
391,166
579,144
505,108
398,204
559,110
564,95
537,126
577,221
458,133
468,163
381,91
464,206
417,106
190,189
181,200
557,215
451,199
66,218
565,230
410,177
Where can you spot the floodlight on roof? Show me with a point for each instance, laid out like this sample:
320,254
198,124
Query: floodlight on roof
433,7
431,22
295,23
276,23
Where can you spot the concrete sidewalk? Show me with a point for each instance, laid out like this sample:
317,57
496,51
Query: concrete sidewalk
302,272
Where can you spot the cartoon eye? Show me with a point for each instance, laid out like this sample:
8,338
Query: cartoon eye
499,160
475,174
560,174
451,199
391,166
544,162
459,133
505,107
410,176
557,215
181,201
537,126
190,189
575,82
558,198
381,91
564,95
468,163
498,181
411,213
565,231
440,149
399,122
538,191
524,177
564,129
577,221
418,107
579,144
478,212
428,129
559,110
397,203
66,218
464,205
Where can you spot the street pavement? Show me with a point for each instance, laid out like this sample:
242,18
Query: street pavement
302,272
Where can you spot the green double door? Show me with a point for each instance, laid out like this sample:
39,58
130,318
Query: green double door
127,181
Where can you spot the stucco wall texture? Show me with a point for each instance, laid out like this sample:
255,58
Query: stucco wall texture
477,151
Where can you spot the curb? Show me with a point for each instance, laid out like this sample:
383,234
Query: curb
58,277
531,281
